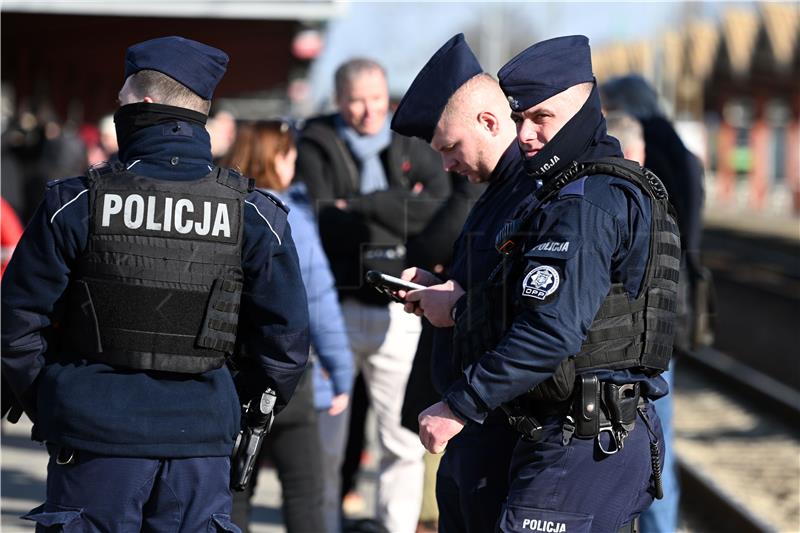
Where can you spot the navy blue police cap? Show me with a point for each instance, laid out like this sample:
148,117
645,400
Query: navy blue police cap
195,65
447,70
546,69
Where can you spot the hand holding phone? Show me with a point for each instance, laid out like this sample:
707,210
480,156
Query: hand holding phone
380,280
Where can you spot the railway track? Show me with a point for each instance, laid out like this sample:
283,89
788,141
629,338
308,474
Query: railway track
738,446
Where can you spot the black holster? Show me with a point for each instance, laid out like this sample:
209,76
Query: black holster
620,402
602,408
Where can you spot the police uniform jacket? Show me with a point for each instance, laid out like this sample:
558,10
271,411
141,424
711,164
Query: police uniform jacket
474,253
594,233
384,218
107,410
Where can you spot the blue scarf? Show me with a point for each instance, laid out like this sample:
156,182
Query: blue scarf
367,150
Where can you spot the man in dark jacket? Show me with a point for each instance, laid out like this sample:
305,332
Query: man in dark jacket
129,289
373,190
463,114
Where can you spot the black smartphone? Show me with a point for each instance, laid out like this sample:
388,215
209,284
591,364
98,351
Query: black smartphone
387,284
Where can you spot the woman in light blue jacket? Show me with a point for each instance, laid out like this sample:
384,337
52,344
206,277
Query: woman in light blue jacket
265,151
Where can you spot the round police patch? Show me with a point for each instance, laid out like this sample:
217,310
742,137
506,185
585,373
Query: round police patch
540,282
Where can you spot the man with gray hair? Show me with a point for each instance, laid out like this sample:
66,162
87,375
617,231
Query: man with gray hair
373,190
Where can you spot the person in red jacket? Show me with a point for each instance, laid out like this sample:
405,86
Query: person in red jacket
10,232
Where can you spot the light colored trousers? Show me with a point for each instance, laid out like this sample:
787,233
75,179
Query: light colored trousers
384,341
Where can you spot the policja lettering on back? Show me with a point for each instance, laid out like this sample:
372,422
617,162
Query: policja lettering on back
164,214
544,525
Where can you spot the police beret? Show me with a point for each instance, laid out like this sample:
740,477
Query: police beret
195,65
545,69
421,107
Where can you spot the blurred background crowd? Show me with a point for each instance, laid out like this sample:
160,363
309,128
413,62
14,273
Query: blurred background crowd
727,73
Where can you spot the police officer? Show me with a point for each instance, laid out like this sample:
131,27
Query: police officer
461,111
129,289
577,319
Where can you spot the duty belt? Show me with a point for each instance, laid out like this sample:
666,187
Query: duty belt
595,408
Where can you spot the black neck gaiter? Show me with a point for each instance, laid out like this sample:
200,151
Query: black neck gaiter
571,143
133,117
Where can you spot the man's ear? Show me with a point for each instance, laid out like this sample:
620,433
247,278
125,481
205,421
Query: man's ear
148,100
489,122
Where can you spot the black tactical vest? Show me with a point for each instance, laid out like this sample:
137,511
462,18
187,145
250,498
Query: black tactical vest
159,285
625,334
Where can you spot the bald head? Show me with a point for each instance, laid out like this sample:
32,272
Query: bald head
480,93
475,129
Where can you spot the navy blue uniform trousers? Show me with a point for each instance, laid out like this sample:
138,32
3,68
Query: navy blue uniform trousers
97,493
472,480
576,488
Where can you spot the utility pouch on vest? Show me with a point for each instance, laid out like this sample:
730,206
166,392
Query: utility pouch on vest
587,409
218,332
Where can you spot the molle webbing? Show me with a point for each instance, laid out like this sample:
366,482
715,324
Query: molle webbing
160,283
637,333
625,333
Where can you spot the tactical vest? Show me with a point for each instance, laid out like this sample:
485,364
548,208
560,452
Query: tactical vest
625,334
160,282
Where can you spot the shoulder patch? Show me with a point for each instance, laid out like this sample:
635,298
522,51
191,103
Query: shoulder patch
541,282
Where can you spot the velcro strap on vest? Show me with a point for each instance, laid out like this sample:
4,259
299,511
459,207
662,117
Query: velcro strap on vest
609,358
234,180
669,249
664,224
226,307
220,323
162,361
669,274
656,353
656,325
660,301
194,274
136,309
124,332
618,305
616,332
